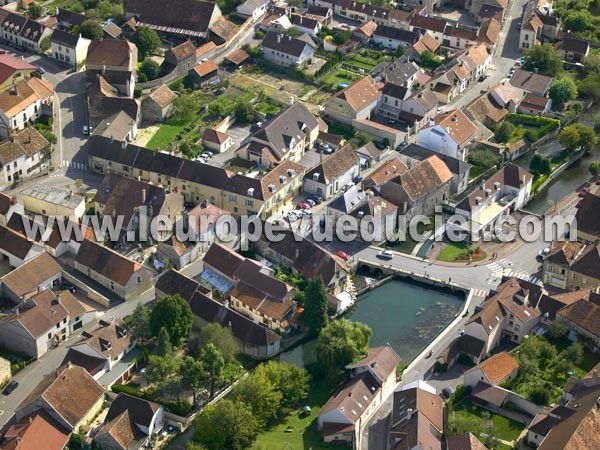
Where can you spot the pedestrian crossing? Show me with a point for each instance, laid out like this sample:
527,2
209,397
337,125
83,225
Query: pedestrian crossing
73,165
480,293
502,267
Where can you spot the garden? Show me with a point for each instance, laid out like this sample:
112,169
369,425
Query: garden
461,252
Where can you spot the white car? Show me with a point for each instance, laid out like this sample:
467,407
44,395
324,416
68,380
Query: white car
544,252
385,254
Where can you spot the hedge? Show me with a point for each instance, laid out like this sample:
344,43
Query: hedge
543,124
183,408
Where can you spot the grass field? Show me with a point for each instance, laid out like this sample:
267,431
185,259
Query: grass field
165,135
337,77
508,429
304,434
454,250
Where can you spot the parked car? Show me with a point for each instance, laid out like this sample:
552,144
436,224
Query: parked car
310,201
579,203
379,145
11,386
68,287
482,78
385,254
205,155
402,145
318,199
342,254
447,392
40,70
292,216
357,179
542,254
518,26
302,205
391,122
86,130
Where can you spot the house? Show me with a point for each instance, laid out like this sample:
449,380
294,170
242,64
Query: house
53,201
13,70
182,56
237,58
65,19
466,346
510,313
40,322
205,74
332,175
70,49
70,395
493,371
379,213
309,259
371,381
412,107
24,103
34,276
252,339
307,25
538,25
419,189
487,111
417,418
557,263
22,156
120,126
22,32
16,248
253,8
588,219
489,32
252,288
465,441
287,50
392,38
131,199
112,30
531,82
215,140
535,105
111,55
401,71
583,319
285,137
114,272
158,106
38,430
105,105
364,12
506,96
449,133
369,155
130,423
356,101
390,169
573,267
185,19
486,207
425,43
276,21
8,206
100,349
413,153
365,31
573,50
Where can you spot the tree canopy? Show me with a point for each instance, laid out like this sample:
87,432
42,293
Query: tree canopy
140,322
226,424
146,40
221,337
505,131
562,90
91,29
578,136
545,59
484,158
340,343
150,69
185,107
315,306
173,313
595,168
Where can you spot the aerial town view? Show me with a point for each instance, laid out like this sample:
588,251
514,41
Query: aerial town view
299,224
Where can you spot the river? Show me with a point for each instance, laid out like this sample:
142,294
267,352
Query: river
571,178
406,315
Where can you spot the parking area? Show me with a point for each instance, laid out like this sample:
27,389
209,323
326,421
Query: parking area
459,16
238,134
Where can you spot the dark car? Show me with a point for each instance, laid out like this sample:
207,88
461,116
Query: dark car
68,287
357,179
482,78
379,145
11,386
447,392
317,198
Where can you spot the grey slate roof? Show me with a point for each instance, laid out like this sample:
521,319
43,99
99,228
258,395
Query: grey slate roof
285,44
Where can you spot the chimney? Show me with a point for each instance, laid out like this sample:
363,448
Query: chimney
143,196
278,38
291,100
69,364
30,420
409,412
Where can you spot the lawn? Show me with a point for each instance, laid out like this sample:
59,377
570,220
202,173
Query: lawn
508,429
304,434
267,107
337,77
455,252
240,165
166,134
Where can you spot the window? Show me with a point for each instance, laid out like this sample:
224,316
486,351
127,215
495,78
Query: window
233,198
250,203
49,335
139,279
526,37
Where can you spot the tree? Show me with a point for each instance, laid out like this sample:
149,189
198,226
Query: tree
140,322
587,137
534,165
569,137
315,306
545,59
163,343
484,158
193,375
429,60
221,337
539,395
46,44
577,20
226,424
91,29
573,353
160,368
244,113
146,40
506,130
260,395
545,167
150,68
35,11
292,381
185,108
557,331
562,90
340,343
399,51
213,363
173,313
595,168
